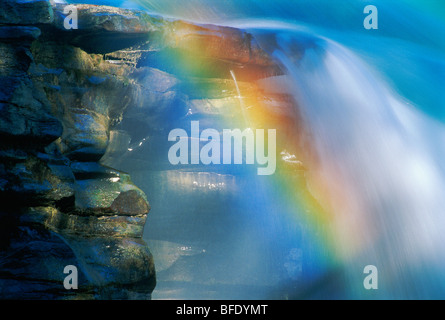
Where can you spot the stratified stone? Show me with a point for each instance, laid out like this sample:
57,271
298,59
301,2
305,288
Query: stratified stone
85,136
35,182
88,226
25,113
92,170
33,259
103,29
19,33
26,12
87,93
208,51
28,125
216,42
97,19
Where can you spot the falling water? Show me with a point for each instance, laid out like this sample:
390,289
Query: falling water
242,105
381,161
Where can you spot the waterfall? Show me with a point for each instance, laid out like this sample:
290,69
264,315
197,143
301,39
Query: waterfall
241,102
381,162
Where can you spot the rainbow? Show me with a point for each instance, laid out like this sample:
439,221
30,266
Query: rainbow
248,89
251,97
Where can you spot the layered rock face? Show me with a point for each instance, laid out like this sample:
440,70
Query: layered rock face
59,205
73,102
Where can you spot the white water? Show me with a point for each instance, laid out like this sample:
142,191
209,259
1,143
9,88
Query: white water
381,163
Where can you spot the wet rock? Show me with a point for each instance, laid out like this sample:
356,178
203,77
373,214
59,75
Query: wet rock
33,261
99,197
220,50
25,113
89,95
121,268
88,226
32,266
156,101
26,12
14,63
34,182
154,80
19,33
118,145
85,136
130,203
28,125
103,29
216,42
97,19
92,170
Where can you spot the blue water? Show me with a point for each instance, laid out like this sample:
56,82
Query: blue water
388,160
373,100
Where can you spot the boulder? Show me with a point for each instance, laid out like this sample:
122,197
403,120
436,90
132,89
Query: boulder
130,203
110,196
